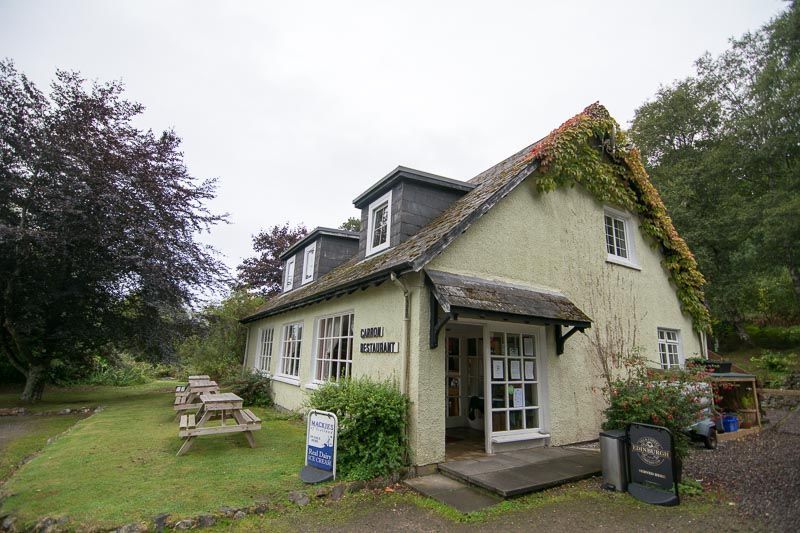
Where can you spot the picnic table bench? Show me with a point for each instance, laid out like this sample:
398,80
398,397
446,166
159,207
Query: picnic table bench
181,389
218,406
189,399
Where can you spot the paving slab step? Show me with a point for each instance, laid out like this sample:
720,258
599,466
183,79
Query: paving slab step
446,490
515,473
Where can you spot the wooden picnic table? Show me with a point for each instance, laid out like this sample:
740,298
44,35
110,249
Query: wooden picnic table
220,406
189,398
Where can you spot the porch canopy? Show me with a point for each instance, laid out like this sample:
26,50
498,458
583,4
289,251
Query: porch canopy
495,300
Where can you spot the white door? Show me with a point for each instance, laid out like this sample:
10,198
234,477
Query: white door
514,384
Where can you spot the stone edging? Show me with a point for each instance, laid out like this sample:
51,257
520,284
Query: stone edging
21,411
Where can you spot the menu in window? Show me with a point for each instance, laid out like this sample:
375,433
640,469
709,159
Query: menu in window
527,346
529,370
519,399
515,370
497,369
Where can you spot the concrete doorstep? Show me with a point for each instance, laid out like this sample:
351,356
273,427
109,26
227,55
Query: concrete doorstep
462,497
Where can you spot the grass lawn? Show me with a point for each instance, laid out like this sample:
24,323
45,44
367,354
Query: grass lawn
119,465
579,506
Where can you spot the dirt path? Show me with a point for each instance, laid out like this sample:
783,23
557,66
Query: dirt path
14,427
760,473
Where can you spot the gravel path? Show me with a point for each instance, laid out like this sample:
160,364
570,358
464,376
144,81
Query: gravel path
760,473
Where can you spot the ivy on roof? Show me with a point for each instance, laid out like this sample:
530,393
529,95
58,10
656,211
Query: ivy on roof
592,150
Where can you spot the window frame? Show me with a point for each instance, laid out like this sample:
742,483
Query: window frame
318,325
264,350
288,282
281,373
374,206
666,342
628,235
306,252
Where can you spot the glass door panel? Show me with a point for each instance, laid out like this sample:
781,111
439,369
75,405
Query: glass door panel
514,382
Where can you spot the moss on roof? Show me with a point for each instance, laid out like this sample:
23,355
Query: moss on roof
589,149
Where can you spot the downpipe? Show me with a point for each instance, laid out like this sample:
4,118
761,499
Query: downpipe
406,361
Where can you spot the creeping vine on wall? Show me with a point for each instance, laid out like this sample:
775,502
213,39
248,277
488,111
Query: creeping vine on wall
592,150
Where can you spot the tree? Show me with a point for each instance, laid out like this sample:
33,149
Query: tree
263,274
351,224
97,224
217,345
722,148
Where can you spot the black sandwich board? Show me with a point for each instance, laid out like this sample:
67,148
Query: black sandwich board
651,464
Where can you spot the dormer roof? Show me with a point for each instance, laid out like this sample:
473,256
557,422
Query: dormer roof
409,174
315,233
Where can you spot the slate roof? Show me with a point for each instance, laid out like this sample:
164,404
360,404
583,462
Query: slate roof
412,254
404,173
316,232
462,294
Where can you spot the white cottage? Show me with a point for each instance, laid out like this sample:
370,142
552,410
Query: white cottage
484,300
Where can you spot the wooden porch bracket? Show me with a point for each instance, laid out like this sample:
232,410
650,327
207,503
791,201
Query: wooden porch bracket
562,338
436,323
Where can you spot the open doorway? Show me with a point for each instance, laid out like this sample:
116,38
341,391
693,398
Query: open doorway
464,402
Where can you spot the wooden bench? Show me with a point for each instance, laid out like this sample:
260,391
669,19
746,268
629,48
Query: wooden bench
217,406
180,389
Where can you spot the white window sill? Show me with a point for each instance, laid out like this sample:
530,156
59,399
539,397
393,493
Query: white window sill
519,435
622,262
289,380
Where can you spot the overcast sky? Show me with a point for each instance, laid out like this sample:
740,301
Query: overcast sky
297,107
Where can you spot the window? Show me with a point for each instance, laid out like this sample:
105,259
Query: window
380,216
334,347
308,263
290,349
264,359
669,348
289,271
619,238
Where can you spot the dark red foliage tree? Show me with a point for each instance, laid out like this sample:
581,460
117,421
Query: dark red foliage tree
264,273
97,224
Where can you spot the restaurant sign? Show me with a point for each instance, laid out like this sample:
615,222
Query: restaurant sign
379,346
652,467
321,433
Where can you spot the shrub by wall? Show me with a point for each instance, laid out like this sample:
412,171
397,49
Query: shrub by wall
254,389
670,399
372,425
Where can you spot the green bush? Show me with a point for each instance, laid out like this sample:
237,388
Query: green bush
774,337
255,389
120,370
777,366
372,425
670,399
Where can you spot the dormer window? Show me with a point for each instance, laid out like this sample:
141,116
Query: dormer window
309,257
289,282
380,214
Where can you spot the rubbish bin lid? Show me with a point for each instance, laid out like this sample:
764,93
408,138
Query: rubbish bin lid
613,434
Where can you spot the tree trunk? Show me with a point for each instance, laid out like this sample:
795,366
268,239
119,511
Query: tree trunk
794,272
738,324
34,384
